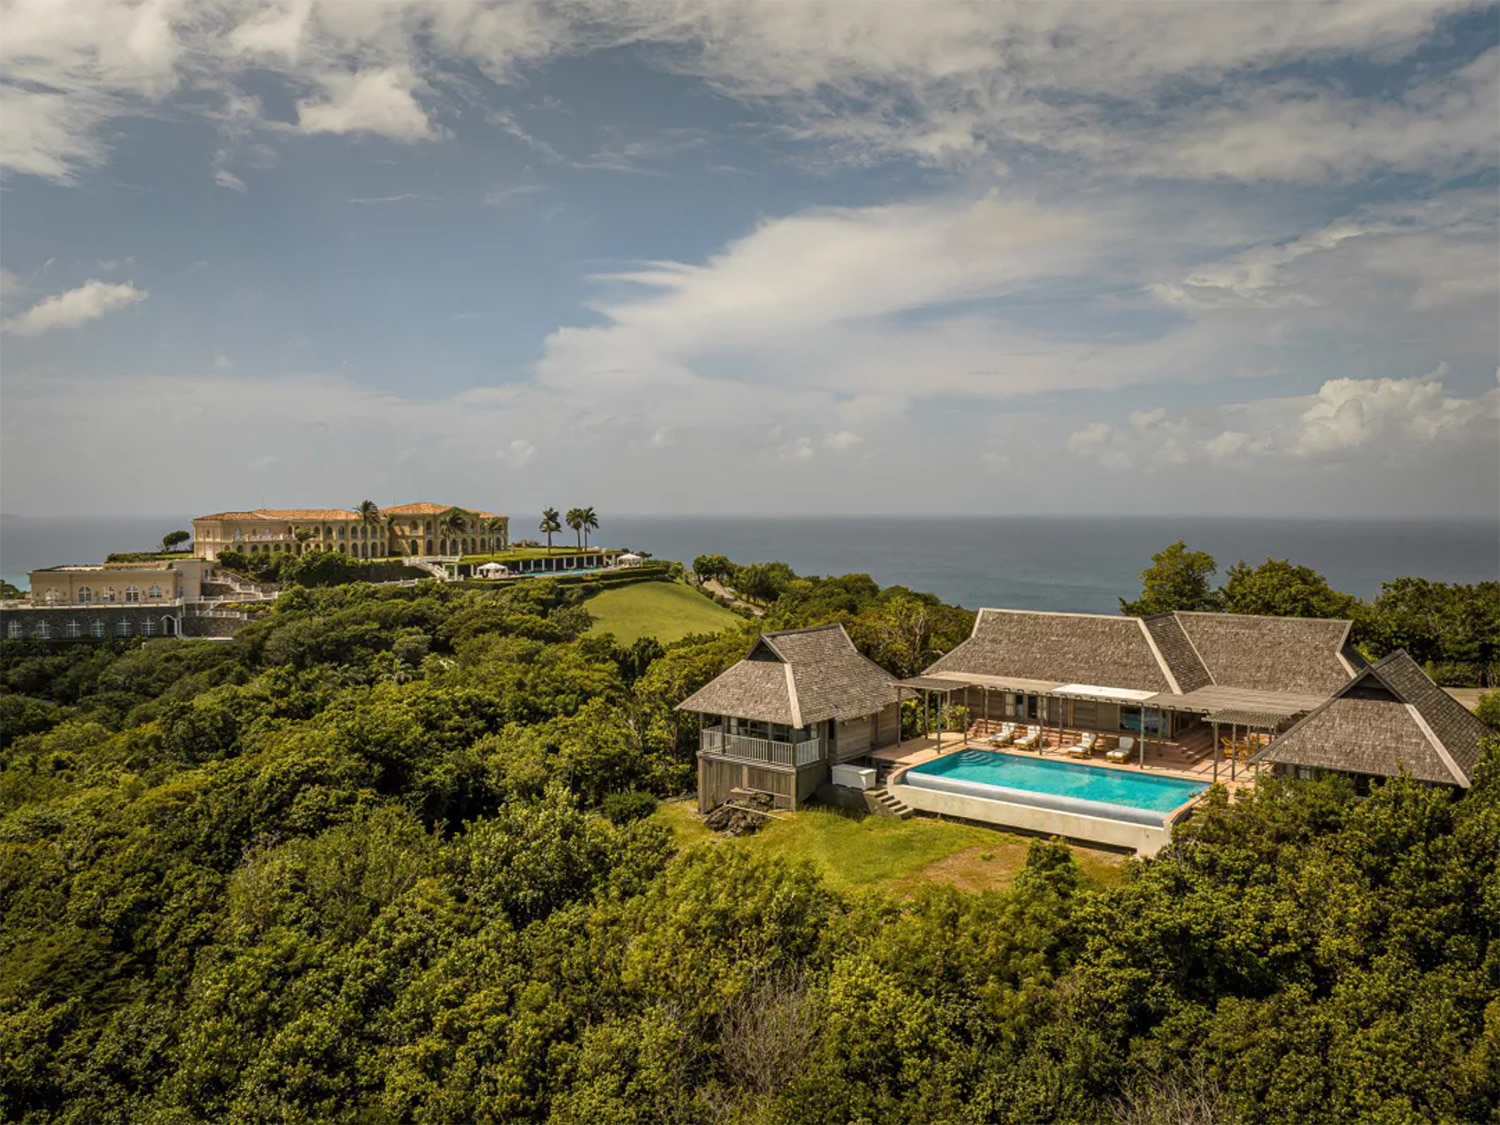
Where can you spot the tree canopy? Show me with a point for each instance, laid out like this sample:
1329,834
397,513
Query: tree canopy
1176,579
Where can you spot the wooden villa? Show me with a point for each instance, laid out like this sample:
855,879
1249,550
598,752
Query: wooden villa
1391,719
1188,681
800,702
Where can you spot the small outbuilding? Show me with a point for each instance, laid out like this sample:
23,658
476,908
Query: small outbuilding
800,702
492,570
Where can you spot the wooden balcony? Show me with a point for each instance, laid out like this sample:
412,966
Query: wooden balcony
761,751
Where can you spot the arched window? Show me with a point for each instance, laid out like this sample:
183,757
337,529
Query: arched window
153,592
341,531
327,531
429,546
51,597
416,546
42,631
148,628
73,629
428,528
96,627
85,595
122,627
169,626
16,630
110,595
132,593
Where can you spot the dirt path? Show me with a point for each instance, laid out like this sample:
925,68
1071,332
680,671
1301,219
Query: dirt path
713,586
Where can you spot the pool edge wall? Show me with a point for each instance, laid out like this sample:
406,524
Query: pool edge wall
1142,839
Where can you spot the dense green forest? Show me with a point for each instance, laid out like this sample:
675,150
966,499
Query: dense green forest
370,861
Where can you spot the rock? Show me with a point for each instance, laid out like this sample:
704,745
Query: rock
742,814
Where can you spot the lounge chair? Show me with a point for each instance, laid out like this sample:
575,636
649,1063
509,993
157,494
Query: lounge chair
1121,753
1084,747
1030,740
1004,735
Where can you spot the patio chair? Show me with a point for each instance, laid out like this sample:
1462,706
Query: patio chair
1084,747
1121,753
1003,736
1031,739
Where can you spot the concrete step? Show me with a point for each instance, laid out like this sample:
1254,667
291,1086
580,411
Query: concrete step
882,803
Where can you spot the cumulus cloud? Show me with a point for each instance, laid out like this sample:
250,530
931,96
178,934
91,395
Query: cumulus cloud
1346,420
379,102
89,301
842,440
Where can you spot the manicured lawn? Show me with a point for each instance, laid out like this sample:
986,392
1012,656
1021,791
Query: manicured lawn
667,611
895,857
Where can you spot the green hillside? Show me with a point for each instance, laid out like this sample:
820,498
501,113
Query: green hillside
667,611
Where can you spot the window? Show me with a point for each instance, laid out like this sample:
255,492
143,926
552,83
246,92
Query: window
96,627
122,627
85,595
341,531
16,630
153,592
110,596
51,597
132,593
73,629
42,630
148,628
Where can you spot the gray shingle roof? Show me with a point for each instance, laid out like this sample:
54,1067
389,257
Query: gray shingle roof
796,677
1302,655
1089,648
1390,719
1173,644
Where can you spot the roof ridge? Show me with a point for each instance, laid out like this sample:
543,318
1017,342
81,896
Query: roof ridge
1161,661
791,691
1437,744
1060,613
806,629
1258,616
1212,679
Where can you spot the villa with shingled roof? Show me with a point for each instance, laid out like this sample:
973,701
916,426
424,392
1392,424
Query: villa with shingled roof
418,530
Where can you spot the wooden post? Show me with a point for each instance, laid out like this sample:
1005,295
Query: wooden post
1216,751
1234,747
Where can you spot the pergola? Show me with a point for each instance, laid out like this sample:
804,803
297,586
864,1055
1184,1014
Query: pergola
1236,708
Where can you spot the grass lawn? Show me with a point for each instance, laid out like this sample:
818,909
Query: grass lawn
667,611
891,856
516,554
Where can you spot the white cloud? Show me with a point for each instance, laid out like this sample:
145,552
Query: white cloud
517,453
945,84
1347,420
89,301
221,362
842,440
227,179
379,102
500,196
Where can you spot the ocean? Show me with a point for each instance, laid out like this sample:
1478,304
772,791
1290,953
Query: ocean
1076,563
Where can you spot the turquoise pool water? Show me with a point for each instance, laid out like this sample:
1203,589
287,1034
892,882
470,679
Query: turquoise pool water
971,770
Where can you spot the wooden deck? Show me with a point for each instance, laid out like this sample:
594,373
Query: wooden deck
1190,756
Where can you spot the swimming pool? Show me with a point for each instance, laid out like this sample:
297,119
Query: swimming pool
1064,786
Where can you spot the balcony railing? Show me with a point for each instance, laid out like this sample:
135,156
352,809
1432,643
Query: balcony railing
716,740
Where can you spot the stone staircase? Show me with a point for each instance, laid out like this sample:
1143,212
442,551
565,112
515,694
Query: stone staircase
431,568
882,803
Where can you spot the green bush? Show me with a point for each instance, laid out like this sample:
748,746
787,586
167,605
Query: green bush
1489,709
632,805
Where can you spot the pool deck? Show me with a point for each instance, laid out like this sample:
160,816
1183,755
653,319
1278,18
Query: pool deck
1184,760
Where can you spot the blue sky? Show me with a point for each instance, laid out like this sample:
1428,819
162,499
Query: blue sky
1227,258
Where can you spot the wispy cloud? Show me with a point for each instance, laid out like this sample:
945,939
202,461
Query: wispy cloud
90,301
498,197
403,197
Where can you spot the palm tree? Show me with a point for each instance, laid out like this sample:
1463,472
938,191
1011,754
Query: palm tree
454,523
369,516
496,527
302,535
549,524
590,520
574,519
393,542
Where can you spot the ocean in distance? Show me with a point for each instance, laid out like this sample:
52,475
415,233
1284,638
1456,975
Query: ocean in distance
1075,563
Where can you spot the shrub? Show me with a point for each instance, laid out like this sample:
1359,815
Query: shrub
1489,709
622,808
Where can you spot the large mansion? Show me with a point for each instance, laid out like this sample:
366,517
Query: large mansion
422,530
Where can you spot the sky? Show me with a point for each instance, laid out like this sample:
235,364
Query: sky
1207,258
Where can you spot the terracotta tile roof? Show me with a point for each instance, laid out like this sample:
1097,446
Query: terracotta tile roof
1390,719
286,514
796,677
428,508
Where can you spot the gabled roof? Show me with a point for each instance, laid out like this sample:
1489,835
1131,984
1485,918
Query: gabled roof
1092,648
796,677
1177,655
1301,655
1390,719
